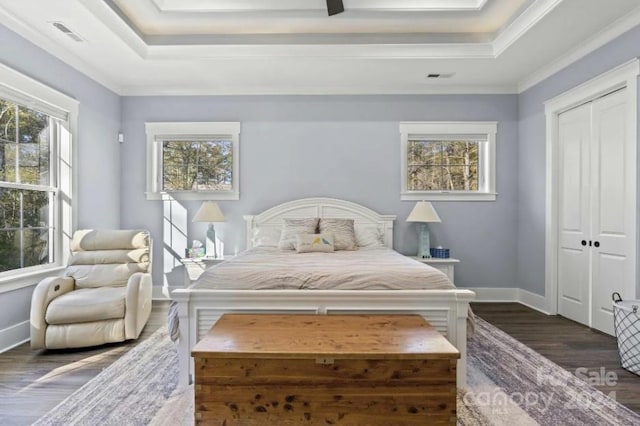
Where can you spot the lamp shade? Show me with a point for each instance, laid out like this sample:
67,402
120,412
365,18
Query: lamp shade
423,212
209,212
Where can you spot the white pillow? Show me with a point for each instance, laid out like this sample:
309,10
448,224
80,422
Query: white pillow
314,243
293,227
344,237
369,236
266,236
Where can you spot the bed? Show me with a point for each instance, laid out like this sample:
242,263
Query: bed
267,280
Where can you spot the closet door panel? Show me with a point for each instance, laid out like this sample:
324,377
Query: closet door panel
613,190
573,214
609,271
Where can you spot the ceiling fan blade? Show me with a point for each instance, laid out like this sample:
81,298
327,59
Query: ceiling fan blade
334,7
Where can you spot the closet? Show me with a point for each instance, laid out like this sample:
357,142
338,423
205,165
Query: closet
596,210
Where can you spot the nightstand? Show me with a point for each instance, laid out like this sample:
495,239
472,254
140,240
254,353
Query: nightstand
444,265
194,267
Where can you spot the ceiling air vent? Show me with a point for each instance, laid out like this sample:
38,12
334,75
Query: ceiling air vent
432,76
64,29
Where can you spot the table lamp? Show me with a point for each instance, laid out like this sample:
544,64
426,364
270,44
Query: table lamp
210,212
423,212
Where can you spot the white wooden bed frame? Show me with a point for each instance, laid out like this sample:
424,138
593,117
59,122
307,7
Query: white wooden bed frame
199,309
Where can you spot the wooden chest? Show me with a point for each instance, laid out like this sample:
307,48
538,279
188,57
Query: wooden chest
324,369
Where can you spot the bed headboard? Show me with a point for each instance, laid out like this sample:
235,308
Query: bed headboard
320,207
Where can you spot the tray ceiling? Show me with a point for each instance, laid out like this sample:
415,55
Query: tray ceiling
170,18
153,47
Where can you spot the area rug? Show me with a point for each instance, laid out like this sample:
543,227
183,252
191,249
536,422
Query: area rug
507,380
507,384
129,392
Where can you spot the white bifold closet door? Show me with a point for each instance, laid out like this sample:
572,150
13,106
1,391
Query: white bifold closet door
596,210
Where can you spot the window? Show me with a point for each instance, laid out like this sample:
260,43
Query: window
193,161
448,160
35,175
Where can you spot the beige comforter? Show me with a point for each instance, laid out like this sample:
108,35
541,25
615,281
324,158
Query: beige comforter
265,268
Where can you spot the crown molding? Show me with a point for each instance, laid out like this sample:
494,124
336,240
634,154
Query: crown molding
333,39
227,90
55,49
118,23
523,23
354,51
207,6
608,34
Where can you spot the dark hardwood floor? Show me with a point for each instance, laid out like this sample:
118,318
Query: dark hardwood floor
567,343
33,382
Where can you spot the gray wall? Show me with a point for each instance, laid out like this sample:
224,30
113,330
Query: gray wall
531,153
345,147
98,161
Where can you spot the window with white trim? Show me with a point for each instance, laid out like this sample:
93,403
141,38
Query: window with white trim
448,161
193,161
36,200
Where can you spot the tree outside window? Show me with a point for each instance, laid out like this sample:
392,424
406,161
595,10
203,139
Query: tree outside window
442,165
26,193
448,160
193,160
197,165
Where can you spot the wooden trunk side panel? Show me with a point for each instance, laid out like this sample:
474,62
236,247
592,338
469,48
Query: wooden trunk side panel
305,371
278,405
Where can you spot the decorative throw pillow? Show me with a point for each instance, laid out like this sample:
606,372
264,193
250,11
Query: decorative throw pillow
369,236
266,236
344,236
311,243
293,227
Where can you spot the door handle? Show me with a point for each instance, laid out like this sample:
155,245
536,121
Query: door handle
584,242
596,243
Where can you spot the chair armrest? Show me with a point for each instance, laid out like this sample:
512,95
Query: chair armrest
46,290
137,304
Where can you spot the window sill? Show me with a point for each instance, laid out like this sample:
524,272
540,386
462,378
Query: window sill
222,196
27,279
448,196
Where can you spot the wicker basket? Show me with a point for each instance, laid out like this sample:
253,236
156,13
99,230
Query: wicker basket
626,319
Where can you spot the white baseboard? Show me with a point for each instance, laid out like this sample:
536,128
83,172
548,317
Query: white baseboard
533,301
15,335
489,294
518,295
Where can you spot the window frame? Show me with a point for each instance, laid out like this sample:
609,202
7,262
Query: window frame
410,130
157,132
30,93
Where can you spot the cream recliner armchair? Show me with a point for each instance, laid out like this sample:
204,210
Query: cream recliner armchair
103,296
